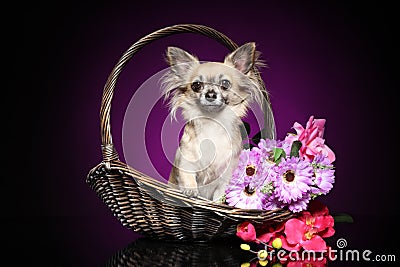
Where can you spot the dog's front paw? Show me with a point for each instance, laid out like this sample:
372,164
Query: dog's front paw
190,192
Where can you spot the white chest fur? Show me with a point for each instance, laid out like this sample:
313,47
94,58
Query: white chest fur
214,141
217,143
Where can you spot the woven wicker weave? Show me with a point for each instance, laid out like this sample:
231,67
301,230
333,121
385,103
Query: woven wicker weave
155,209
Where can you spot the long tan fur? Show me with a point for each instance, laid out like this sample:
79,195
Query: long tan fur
213,98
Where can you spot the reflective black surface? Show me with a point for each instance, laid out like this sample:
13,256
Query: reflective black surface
85,241
146,252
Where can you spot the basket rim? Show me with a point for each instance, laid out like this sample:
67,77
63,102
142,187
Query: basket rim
256,215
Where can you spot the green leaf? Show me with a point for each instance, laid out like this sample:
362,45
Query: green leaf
294,150
279,153
343,218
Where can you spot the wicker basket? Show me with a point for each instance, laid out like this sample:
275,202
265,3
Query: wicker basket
150,207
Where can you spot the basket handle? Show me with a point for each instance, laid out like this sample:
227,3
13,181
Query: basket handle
108,150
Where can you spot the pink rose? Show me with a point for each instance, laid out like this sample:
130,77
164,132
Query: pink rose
311,139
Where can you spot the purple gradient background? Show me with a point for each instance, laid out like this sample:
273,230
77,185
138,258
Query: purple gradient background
333,61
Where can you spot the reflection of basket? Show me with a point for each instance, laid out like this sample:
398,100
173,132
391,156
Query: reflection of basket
150,207
146,252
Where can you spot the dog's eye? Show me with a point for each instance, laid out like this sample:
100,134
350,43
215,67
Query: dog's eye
196,86
225,84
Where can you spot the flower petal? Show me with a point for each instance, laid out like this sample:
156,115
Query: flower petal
298,127
294,230
330,153
317,208
323,222
246,232
330,231
316,243
289,247
265,237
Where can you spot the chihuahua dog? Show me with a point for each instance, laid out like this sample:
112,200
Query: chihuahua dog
213,98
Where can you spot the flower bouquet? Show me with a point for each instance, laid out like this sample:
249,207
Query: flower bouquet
296,242
286,174
289,173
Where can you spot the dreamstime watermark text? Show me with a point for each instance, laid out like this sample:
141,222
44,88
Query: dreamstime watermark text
343,254
340,253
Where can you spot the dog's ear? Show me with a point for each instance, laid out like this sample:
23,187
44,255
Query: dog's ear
180,60
242,58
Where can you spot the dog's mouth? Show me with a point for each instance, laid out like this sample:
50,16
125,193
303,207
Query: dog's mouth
212,107
218,102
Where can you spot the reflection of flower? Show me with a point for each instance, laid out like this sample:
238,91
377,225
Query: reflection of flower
279,174
316,262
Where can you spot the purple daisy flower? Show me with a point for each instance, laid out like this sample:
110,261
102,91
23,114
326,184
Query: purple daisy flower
285,146
249,158
242,195
266,146
292,179
250,167
244,189
300,204
324,175
272,203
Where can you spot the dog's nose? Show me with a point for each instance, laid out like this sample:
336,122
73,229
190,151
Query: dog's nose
211,96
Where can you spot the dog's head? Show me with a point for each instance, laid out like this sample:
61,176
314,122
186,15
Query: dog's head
209,88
